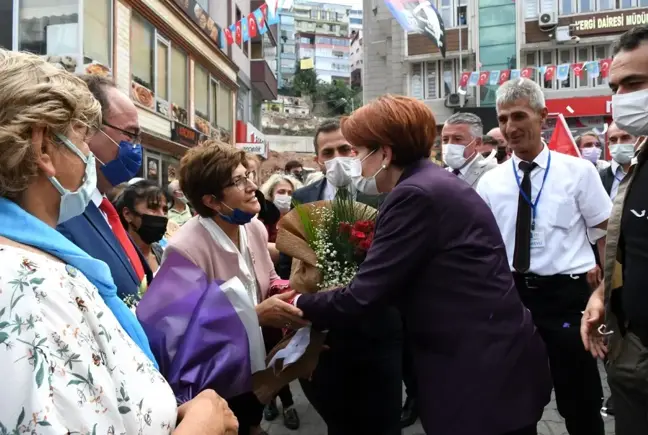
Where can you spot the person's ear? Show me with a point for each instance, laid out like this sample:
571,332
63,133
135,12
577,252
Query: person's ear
210,202
388,155
43,149
128,215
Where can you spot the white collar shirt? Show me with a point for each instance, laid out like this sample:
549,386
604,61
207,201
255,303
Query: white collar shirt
573,199
464,170
330,191
619,174
97,199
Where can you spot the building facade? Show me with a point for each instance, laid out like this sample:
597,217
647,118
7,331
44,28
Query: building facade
575,38
168,55
356,59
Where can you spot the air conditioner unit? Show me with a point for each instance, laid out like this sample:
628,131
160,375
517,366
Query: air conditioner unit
548,19
455,100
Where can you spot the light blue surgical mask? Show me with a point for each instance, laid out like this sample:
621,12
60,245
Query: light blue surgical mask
366,185
74,204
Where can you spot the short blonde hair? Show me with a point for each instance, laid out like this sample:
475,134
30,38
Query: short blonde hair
35,93
269,186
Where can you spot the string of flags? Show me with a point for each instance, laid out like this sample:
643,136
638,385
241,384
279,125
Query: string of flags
594,69
256,23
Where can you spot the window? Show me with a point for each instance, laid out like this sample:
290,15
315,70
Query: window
434,79
568,7
204,4
565,57
162,76
243,104
416,81
50,28
453,12
431,81
224,110
179,84
142,51
97,32
201,91
530,9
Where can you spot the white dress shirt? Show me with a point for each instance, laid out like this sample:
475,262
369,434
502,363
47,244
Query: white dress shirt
572,200
330,191
97,199
619,174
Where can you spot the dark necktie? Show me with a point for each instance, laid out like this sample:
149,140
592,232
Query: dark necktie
457,172
522,253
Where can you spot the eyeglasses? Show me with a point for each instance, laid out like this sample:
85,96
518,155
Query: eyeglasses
136,138
241,183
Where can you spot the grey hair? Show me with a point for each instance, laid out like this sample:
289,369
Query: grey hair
268,187
521,89
473,122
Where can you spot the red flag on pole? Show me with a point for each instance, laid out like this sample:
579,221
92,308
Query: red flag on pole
483,78
527,73
578,69
463,82
504,76
562,140
550,72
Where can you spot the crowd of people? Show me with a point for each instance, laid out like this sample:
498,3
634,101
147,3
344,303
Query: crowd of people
492,280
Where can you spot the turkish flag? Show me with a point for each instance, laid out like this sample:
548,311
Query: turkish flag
228,36
604,65
504,76
562,140
578,69
463,82
550,72
526,73
252,26
483,78
238,32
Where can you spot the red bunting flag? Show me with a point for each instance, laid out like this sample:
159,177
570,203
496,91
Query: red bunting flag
264,9
604,65
228,36
463,82
252,25
527,73
504,76
578,69
483,78
562,140
550,72
238,35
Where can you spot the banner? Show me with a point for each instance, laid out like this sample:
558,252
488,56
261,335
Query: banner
422,17
254,24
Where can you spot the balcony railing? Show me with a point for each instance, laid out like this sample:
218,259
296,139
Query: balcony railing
263,79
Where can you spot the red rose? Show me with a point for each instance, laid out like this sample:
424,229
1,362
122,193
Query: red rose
364,226
365,244
358,235
345,228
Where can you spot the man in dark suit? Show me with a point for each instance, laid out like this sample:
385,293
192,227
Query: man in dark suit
357,385
117,149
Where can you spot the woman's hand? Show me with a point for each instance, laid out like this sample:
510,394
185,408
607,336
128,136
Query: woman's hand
278,313
206,414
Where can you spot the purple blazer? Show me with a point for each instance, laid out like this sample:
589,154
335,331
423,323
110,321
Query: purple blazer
480,364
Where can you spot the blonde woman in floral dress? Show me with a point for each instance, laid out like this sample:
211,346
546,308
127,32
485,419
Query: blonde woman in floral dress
73,357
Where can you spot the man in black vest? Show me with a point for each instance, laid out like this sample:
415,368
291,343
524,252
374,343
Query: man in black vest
622,149
357,385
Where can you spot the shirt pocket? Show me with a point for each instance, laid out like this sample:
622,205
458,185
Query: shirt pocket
564,214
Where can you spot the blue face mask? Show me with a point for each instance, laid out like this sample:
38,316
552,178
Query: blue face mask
126,165
238,216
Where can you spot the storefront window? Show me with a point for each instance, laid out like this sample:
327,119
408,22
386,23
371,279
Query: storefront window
97,32
213,117
201,99
224,113
162,78
142,56
179,84
49,28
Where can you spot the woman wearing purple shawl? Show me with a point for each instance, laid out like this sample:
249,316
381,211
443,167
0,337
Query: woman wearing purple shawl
221,345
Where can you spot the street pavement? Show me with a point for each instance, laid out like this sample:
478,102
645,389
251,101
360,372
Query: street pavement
312,424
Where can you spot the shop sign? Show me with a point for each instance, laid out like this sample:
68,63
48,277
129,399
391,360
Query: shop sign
578,107
613,22
202,19
184,135
258,148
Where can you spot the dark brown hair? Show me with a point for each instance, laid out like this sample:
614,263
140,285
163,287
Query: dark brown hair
206,170
99,86
404,124
325,127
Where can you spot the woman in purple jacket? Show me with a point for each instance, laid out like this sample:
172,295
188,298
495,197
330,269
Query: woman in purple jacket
438,255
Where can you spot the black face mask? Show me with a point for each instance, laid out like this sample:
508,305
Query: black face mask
153,228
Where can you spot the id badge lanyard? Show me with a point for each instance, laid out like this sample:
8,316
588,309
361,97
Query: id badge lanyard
533,204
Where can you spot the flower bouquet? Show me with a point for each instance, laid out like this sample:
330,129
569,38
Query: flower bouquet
327,240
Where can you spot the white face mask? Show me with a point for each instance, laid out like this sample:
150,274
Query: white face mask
629,112
592,154
338,171
282,202
74,203
622,153
453,155
368,186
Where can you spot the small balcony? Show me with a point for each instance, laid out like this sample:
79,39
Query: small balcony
263,80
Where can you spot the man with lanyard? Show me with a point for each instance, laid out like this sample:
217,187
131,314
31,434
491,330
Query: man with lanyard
559,200
615,322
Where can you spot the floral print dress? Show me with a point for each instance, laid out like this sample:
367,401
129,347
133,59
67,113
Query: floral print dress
67,366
